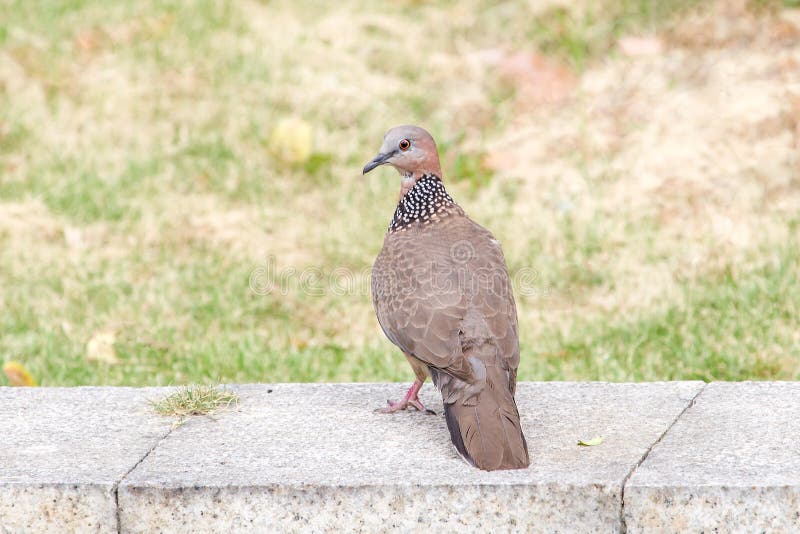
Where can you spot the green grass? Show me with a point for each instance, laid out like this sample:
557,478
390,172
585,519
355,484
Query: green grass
188,401
139,194
580,36
728,326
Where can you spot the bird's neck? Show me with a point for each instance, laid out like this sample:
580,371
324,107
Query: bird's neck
408,178
407,181
425,200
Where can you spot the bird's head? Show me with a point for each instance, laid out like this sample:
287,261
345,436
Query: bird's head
409,149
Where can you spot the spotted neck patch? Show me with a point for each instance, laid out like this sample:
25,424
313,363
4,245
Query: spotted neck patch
423,203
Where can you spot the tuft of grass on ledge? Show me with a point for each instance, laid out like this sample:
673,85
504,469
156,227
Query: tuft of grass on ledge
195,399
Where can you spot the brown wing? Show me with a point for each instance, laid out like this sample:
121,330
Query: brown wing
438,289
442,293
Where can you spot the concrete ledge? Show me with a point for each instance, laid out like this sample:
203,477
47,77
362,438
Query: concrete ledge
309,456
732,459
64,451
315,457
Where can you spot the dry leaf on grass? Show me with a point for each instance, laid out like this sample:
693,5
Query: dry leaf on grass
18,375
100,347
291,141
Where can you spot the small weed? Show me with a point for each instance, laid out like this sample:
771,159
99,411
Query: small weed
195,399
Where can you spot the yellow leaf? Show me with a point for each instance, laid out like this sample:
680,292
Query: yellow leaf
595,441
100,347
291,140
18,375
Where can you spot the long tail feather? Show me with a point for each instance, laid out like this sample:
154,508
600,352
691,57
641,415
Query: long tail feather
488,433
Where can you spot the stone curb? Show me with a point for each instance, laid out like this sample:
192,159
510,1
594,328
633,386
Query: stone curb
315,457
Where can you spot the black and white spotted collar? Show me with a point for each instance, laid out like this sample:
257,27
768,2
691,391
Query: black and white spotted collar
422,203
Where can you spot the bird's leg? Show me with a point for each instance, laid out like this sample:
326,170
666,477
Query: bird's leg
411,399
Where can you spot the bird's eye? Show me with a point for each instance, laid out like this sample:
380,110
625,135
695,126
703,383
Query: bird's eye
404,144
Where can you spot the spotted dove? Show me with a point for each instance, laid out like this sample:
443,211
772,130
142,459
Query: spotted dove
442,294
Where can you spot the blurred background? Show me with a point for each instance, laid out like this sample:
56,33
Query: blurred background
181,195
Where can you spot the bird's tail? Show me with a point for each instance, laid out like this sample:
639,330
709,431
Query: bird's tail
488,433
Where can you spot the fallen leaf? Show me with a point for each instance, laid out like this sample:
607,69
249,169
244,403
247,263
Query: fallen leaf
100,347
291,140
17,374
597,440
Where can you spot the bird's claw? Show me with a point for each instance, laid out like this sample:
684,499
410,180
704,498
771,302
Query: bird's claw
396,406
411,399
421,407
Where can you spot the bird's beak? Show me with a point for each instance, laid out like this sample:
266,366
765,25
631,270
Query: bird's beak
379,160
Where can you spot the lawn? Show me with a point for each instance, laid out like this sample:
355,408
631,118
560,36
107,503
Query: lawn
637,159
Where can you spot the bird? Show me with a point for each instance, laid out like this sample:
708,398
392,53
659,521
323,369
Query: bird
442,294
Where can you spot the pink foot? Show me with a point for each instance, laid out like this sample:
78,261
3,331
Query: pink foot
410,400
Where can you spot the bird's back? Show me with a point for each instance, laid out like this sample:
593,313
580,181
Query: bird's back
442,293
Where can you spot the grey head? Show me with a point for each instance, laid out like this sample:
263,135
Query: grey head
409,149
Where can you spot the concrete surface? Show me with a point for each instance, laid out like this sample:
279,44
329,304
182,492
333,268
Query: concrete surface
730,464
675,457
64,450
316,457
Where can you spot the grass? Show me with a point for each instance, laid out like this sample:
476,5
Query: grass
647,205
579,36
188,401
728,326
